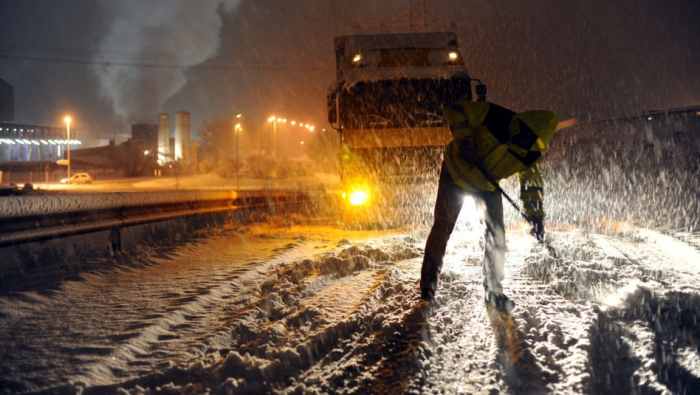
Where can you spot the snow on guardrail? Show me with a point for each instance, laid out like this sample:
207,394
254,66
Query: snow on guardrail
40,217
31,205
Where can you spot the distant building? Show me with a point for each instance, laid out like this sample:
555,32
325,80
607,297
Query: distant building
164,151
182,136
30,143
22,142
7,102
127,158
147,133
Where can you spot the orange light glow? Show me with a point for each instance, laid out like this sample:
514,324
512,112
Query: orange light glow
358,198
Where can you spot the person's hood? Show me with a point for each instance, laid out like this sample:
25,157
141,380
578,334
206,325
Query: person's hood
542,122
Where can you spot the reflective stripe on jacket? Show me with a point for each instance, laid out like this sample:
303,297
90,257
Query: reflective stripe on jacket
504,143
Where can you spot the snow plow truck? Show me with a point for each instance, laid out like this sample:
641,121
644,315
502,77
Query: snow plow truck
387,105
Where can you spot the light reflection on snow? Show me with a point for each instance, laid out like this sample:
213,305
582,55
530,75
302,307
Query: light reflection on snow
469,214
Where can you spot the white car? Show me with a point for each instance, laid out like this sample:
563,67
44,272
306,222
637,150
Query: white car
78,178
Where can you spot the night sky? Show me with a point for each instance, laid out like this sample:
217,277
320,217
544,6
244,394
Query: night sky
113,63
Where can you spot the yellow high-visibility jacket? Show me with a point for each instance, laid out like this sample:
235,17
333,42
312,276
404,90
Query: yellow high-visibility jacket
488,137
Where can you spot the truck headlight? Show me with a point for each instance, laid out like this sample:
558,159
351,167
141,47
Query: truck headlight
358,198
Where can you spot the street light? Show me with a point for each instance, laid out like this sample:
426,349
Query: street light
237,130
67,119
274,121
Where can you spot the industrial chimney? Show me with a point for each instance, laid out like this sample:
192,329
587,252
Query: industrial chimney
163,137
182,136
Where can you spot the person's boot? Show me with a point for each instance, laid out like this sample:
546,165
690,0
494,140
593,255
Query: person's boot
500,302
427,289
428,281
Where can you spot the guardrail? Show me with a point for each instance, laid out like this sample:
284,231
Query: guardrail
32,218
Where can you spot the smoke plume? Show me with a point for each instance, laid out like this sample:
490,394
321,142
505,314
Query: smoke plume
148,47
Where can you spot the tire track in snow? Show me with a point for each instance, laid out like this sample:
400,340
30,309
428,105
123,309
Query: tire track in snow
336,305
295,334
644,308
127,322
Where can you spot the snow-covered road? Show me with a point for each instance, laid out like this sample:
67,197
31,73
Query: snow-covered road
317,309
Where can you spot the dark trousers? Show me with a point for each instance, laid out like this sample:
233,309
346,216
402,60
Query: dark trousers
450,198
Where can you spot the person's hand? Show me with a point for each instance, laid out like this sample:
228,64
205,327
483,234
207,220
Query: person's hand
537,230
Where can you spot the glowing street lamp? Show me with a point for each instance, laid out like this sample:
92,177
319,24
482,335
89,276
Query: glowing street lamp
67,119
237,130
274,121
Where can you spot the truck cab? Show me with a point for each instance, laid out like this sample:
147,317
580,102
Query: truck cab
387,104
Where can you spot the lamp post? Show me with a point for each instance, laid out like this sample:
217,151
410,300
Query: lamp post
67,119
237,131
274,120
